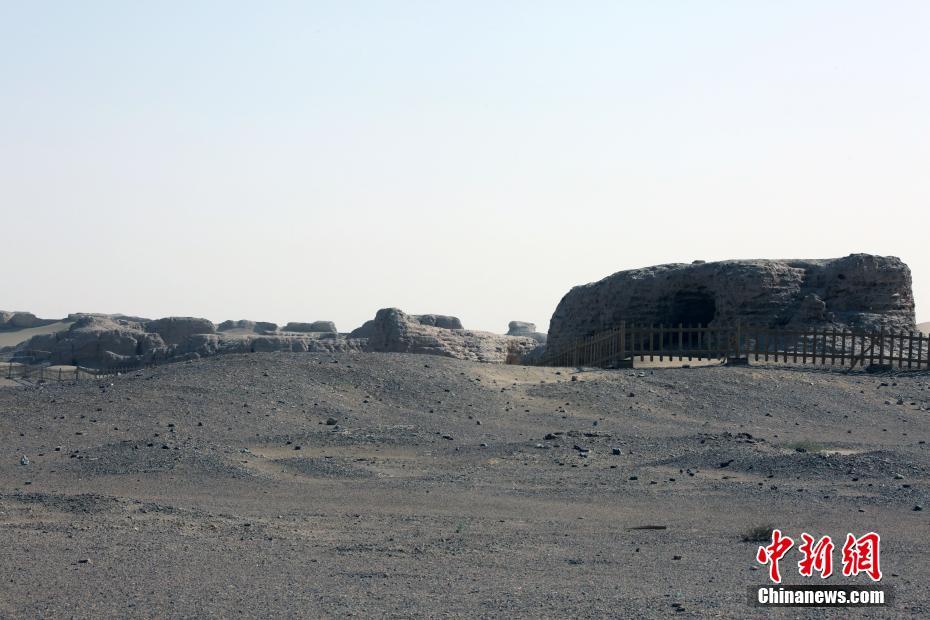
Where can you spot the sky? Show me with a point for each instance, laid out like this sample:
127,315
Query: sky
298,161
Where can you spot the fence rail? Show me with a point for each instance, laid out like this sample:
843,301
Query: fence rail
30,372
826,347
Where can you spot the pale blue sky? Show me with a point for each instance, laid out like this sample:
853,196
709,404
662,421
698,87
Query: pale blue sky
320,160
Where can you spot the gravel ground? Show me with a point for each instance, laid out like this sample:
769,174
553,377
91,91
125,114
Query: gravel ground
383,485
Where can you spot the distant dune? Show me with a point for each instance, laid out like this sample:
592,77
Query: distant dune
924,327
14,337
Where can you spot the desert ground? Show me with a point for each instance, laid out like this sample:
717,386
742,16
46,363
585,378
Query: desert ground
393,485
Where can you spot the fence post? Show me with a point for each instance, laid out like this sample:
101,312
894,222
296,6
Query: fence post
739,338
920,348
622,340
881,347
652,346
661,343
891,348
691,342
901,349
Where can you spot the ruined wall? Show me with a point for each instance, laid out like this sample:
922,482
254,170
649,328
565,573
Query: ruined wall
395,331
860,290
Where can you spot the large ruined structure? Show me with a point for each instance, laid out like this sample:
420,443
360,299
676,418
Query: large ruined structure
857,291
392,330
101,341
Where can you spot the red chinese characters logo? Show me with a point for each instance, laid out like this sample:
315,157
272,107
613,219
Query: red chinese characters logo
817,557
860,555
773,553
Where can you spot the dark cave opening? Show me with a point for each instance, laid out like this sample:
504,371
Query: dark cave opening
692,307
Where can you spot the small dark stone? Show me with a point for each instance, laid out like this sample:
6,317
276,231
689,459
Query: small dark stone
331,421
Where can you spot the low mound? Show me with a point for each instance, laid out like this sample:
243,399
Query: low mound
21,320
15,337
394,331
100,342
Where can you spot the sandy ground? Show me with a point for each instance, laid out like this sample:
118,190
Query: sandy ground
13,338
449,489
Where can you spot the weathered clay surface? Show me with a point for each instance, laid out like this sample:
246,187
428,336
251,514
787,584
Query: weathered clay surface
176,329
438,320
21,320
259,327
93,340
100,342
394,331
315,326
76,316
859,290
522,328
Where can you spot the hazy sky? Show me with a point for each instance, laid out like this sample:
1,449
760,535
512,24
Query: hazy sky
320,160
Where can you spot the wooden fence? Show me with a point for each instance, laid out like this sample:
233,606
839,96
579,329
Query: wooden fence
738,343
29,372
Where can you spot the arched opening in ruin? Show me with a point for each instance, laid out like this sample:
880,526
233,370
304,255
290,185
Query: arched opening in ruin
692,307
